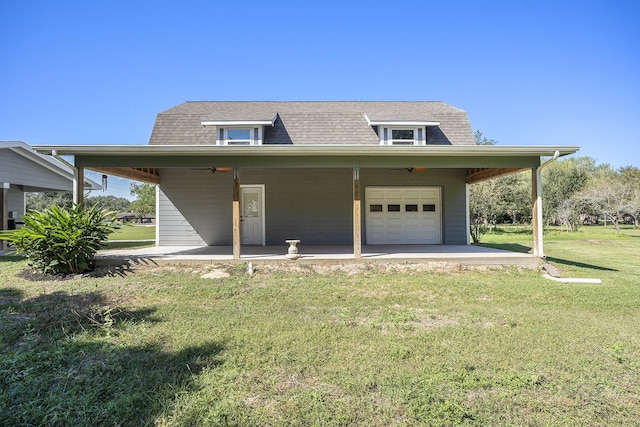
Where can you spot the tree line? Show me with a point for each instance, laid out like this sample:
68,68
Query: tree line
575,191
142,206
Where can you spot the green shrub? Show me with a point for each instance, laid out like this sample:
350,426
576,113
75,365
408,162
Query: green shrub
62,240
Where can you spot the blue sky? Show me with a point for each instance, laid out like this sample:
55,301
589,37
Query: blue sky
526,72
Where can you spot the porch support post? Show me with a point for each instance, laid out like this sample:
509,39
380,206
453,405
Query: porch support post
4,210
236,213
357,217
78,185
536,197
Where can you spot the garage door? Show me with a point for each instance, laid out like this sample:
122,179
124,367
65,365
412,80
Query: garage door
403,215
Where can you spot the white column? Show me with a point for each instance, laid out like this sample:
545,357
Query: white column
78,186
536,196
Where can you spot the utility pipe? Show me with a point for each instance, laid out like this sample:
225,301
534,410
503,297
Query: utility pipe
571,280
538,204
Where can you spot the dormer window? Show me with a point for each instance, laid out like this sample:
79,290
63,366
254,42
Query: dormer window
241,136
239,132
402,135
397,132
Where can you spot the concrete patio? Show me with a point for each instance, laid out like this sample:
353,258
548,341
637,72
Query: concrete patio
462,254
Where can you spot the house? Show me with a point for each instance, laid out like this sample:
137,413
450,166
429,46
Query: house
23,170
326,173
124,217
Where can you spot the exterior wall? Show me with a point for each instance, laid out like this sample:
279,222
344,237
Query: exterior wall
313,205
14,168
194,208
16,201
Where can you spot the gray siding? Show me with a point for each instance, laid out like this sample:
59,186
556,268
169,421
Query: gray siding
194,208
14,168
313,205
16,200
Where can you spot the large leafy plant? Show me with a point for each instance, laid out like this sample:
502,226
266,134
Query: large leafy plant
62,240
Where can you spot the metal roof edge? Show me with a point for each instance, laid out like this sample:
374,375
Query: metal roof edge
309,150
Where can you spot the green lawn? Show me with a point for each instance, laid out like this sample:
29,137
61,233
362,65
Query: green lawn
134,232
131,236
300,345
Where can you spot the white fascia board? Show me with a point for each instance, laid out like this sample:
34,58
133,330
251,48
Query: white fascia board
391,123
239,122
308,150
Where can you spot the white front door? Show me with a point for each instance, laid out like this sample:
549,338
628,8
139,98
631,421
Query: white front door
252,215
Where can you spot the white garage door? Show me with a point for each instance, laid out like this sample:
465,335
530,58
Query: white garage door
403,215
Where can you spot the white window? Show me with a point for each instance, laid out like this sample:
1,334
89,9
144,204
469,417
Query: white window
402,135
240,136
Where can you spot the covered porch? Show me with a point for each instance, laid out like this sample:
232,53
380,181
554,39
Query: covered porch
474,163
454,254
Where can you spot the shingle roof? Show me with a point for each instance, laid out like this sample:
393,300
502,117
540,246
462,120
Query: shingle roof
310,123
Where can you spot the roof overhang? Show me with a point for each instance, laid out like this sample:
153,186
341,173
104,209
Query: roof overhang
143,161
391,123
307,150
46,162
268,122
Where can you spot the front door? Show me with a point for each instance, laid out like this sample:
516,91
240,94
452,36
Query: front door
252,215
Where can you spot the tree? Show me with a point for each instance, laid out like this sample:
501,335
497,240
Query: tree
111,203
145,203
484,207
494,199
631,177
45,200
560,181
515,192
607,194
482,140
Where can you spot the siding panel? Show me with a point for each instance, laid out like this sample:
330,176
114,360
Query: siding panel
313,205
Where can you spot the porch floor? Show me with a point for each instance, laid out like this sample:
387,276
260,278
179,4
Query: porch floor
461,254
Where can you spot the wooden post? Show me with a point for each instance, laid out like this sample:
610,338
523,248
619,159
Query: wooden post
536,197
4,210
357,222
236,214
78,186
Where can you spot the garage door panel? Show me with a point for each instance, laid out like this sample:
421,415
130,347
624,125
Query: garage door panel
403,215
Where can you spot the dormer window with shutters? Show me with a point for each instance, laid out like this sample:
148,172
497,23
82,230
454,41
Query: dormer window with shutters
401,132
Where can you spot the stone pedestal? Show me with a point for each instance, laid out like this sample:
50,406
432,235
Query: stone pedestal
292,252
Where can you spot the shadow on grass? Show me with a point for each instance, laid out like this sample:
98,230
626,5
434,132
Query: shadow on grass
115,244
515,247
62,363
12,258
578,264
512,247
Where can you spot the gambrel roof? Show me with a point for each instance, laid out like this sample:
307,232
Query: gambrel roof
313,122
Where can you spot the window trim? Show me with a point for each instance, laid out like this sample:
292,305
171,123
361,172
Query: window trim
255,136
419,135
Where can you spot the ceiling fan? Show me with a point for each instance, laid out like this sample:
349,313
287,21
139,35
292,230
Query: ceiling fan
412,169
213,170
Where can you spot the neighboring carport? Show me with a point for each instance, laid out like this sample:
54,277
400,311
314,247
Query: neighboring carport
23,170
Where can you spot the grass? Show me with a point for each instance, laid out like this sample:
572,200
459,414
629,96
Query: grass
303,345
130,236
